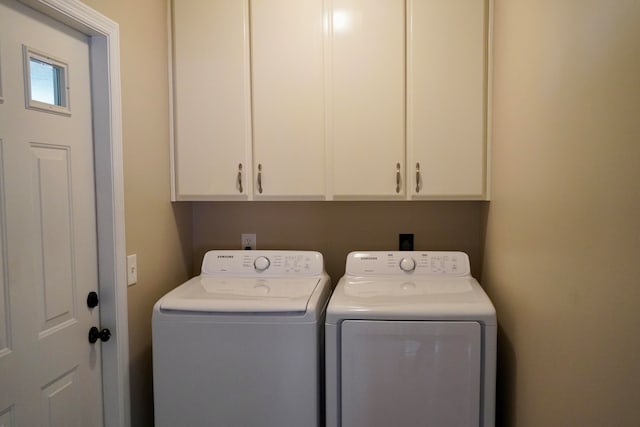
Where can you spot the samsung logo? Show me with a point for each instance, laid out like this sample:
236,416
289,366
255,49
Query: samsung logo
225,256
369,258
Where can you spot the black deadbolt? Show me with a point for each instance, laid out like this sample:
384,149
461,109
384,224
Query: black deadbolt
92,300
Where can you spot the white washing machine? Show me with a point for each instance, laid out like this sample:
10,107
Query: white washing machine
410,341
242,344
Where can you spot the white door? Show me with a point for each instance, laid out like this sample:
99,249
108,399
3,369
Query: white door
50,373
410,373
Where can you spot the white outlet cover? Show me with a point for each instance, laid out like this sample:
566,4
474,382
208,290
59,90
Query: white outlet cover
248,240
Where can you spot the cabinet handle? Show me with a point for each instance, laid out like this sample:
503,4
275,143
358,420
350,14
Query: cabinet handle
417,177
240,178
397,177
260,178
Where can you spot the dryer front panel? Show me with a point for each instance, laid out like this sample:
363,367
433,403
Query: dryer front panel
410,373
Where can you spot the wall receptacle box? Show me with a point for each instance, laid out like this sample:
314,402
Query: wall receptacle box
405,242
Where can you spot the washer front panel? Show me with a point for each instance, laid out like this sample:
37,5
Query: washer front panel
210,373
410,373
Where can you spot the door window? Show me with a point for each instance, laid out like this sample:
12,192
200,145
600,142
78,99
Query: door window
46,82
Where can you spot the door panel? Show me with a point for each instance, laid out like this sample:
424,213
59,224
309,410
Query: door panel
50,170
410,373
57,397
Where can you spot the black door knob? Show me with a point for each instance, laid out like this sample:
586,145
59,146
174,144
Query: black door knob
92,300
95,334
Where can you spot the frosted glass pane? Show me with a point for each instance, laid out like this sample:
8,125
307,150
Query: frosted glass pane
45,82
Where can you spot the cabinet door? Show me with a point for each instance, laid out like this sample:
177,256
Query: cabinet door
446,114
211,99
367,100
287,60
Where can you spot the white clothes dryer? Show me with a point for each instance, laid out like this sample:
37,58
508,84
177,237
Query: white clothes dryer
410,340
241,344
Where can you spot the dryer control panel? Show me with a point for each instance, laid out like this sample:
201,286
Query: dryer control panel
263,263
381,263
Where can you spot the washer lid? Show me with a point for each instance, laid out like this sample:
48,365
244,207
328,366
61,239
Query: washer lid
242,295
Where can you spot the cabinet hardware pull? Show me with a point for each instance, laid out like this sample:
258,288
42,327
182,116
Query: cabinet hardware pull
260,178
240,178
417,177
397,177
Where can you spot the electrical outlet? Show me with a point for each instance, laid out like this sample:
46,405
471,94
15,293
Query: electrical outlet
132,269
248,241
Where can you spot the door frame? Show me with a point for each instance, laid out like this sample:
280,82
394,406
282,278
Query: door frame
104,45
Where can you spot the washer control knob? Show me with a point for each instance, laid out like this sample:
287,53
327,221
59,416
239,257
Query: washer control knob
261,263
407,264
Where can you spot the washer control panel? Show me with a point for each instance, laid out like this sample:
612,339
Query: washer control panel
270,263
380,263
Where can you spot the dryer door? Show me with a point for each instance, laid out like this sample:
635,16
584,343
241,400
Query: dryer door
410,373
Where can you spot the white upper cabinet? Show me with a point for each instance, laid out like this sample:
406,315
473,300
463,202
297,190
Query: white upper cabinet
447,51
330,100
287,63
211,99
367,99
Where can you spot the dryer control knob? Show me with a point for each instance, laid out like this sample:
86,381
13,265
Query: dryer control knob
261,263
407,264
